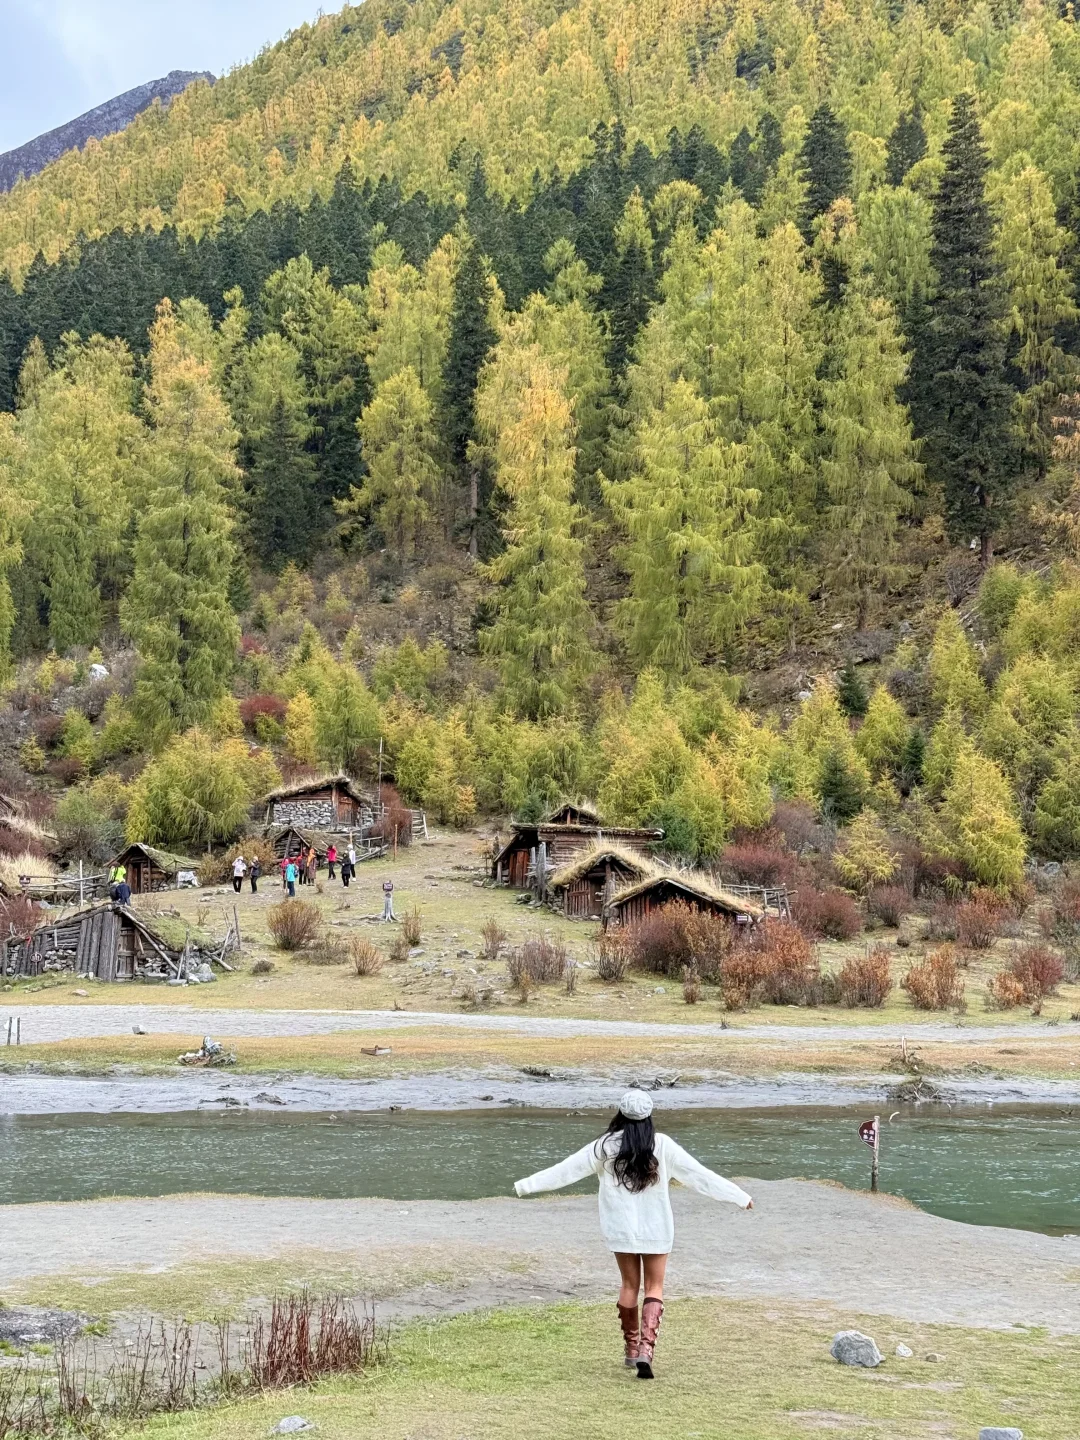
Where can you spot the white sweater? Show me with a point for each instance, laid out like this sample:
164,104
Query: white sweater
638,1223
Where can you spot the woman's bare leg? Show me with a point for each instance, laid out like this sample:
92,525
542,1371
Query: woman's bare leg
630,1273
655,1269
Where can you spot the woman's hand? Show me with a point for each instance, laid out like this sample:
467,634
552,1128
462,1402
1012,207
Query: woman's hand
749,1204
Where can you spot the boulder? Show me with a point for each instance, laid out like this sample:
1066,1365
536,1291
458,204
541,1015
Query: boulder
904,1352
1000,1432
291,1425
852,1347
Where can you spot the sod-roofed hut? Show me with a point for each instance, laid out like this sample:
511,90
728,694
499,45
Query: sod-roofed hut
534,850
149,868
581,888
292,840
325,802
106,941
632,903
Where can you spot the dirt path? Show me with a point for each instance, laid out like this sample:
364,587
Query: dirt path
804,1241
50,1023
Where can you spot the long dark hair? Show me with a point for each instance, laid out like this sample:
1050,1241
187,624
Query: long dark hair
636,1165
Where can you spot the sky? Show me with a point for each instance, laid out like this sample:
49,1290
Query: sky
59,58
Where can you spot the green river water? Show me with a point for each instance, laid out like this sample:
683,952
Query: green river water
989,1167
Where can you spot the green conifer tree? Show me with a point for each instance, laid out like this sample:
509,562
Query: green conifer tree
176,608
961,398
401,490
631,284
906,147
850,691
826,167
468,346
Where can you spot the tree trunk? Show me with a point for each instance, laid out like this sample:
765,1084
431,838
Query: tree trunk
474,509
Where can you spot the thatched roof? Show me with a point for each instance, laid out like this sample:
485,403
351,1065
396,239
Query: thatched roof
165,860
695,887
89,911
318,782
573,812
599,854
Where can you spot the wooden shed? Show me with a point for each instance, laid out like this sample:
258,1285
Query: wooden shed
291,840
634,902
327,802
535,850
106,941
582,888
151,869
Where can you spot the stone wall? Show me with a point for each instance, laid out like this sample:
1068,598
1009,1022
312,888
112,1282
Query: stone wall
307,813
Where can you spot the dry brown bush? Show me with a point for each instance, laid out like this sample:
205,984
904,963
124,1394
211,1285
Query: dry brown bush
399,949
329,949
412,929
612,953
1034,972
826,914
777,963
294,924
494,938
979,919
935,983
216,869
1060,922
262,967
366,957
889,904
866,979
691,985
677,935
540,960
1005,991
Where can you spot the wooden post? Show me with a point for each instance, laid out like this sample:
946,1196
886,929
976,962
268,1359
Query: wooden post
877,1154
236,924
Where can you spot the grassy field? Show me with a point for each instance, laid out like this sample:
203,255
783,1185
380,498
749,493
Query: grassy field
726,1371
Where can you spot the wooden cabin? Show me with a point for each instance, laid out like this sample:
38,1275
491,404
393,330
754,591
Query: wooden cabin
291,840
582,888
328,802
151,869
106,941
535,850
636,901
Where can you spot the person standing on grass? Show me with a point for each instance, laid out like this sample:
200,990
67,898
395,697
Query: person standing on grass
312,865
290,878
635,1164
284,867
239,866
255,872
388,899
331,859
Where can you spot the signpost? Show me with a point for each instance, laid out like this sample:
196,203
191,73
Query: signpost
870,1132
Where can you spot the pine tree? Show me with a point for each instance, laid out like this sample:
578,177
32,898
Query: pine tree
540,636
840,787
869,465
468,346
851,692
963,393
401,490
10,543
176,608
826,167
1031,246
911,764
906,147
630,287
690,552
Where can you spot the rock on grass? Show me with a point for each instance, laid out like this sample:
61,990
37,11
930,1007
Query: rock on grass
852,1347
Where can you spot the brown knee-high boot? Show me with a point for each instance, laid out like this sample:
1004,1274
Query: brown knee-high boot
652,1311
631,1331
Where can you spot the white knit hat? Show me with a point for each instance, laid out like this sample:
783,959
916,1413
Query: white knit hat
636,1104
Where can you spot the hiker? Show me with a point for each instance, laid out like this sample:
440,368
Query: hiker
312,865
331,859
239,866
255,872
388,899
290,878
120,893
634,1164
284,867
117,874
348,867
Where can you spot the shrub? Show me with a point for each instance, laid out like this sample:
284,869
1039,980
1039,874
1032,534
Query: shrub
866,979
494,938
84,830
49,730
294,924
826,914
942,922
328,949
18,916
799,826
412,930
777,963
691,985
935,984
25,863
675,936
399,949
216,869
1060,922
866,857
14,840
612,956
888,903
752,862
68,769
571,977
538,961
1037,970
32,756
397,822
367,958
1005,991
262,967
979,920
740,978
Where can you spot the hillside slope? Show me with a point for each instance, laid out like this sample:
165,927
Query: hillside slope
107,119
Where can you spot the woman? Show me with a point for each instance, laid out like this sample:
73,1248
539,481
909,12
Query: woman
254,873
331,860
312,865
239,866
635,1164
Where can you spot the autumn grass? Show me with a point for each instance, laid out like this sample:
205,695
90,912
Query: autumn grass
420,1051
726,1370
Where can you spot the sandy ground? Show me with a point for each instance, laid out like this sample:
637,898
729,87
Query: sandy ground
43,1024
804,1241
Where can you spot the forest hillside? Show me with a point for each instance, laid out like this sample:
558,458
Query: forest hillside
673,405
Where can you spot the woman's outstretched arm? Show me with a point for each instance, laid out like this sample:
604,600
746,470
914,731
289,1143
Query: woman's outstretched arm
695,1176
574,1167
